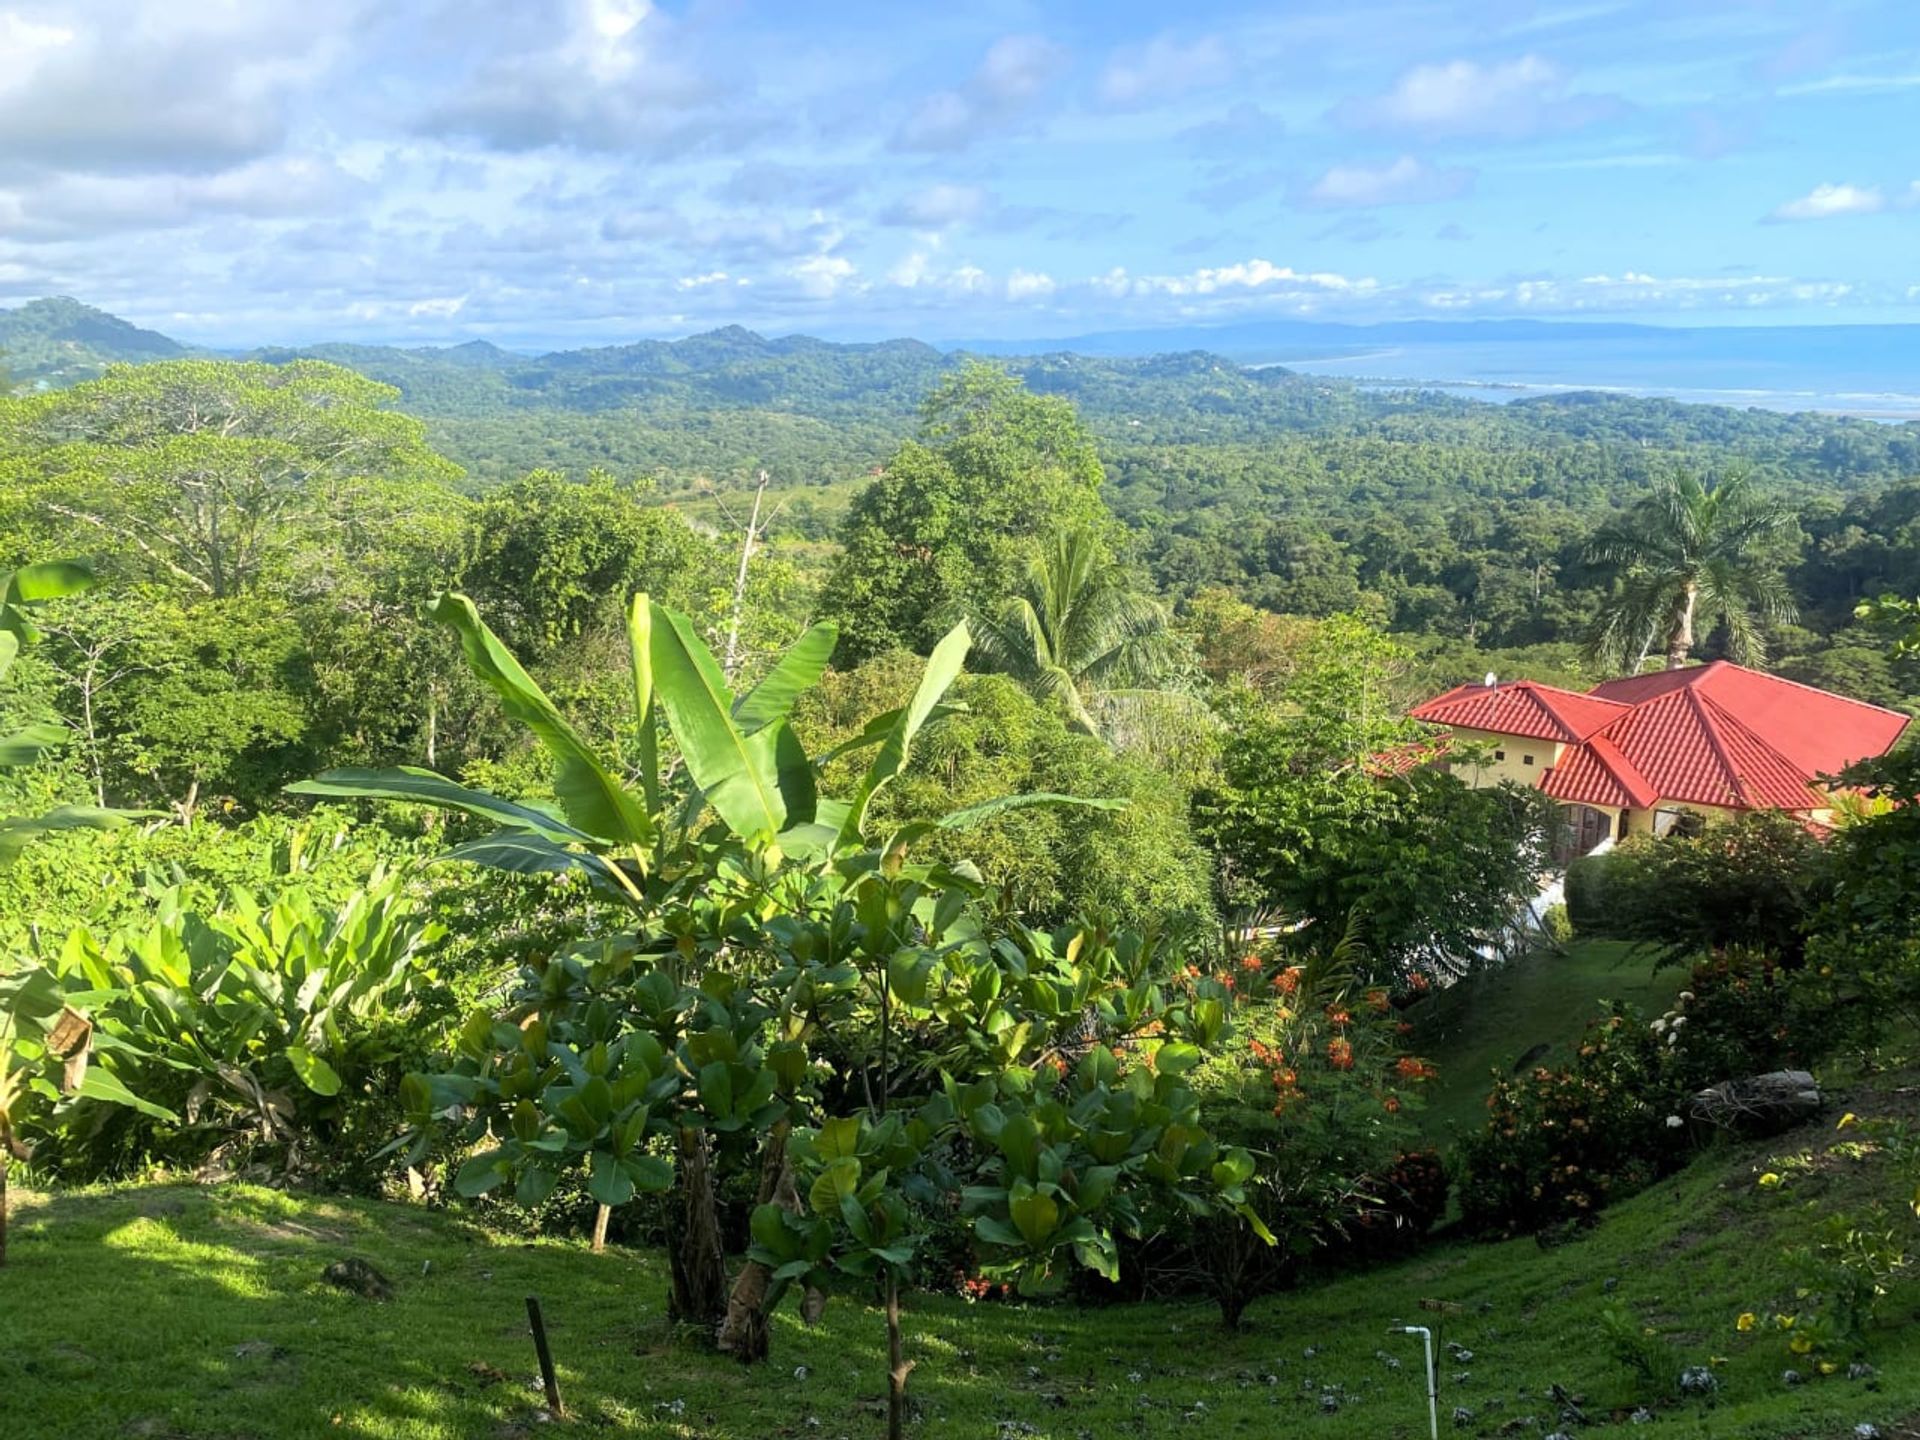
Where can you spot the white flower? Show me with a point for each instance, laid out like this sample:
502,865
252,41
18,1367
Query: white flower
1686,997
1658,1025
1678,1022
1674,1122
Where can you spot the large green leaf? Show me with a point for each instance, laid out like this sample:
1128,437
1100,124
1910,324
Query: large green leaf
591,797
16,832
30,583
640,653
799,669
9,649
23,747
738,774
522,854
316,1074
101,1084
48,580
425,787
942,668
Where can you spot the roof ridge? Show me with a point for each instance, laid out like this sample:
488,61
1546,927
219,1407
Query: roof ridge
1620,766
1758,741
1802,685
1711,725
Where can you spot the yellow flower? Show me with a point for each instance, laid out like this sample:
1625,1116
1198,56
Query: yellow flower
1801,1344
1716,1359
1827,1367
1785,1322
1847,1119
1746,1321
1769,1181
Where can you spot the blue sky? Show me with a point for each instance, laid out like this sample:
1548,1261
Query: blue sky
559,172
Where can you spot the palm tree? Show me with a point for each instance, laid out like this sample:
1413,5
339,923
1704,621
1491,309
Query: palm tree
1076,633
1687,561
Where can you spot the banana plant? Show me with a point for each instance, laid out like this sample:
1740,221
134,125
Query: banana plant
46,1054
20,590
700,1021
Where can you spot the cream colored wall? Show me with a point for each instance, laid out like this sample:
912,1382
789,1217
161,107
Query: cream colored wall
1545,753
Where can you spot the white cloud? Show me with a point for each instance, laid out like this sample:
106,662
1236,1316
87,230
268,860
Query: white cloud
597,75
821,277
145,85
1164,68
1826,201
1509,100
1406,181
938,206
702,282
1014,73
1029,285
1243,277
78,205
1850,84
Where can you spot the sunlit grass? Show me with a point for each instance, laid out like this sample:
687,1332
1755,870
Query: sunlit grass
201,1313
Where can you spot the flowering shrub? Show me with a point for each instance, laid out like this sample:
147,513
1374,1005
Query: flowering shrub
1560,1144
1742,1013
1318,1089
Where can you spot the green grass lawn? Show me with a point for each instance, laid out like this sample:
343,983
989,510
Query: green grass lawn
189,1312
1490,1020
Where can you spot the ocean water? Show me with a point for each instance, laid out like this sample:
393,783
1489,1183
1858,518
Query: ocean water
1869,371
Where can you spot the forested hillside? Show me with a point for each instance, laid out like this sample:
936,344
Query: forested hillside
1459,523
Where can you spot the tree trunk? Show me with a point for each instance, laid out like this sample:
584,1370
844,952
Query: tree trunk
745,1334
1680,635
898,1366
600,1214
699,1294
6,1163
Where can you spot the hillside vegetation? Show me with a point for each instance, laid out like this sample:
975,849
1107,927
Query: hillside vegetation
182,1311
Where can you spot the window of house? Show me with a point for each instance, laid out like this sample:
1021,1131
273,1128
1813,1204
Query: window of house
1526,759
1499,754
1683,823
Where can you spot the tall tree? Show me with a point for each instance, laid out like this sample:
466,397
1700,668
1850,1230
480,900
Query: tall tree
1688,560
947,527
1075,632
210,475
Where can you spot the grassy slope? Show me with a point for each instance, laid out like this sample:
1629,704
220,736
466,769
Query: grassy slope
187,1312
1491,1020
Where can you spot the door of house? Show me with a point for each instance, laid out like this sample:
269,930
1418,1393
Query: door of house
1581,828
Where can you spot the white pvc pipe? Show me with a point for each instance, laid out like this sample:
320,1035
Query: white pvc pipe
1433,1377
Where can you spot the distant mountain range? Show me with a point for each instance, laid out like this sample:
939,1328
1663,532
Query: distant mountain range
1871,370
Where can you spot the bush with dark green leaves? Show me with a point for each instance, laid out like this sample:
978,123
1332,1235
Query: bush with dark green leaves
1751,882
1560,1144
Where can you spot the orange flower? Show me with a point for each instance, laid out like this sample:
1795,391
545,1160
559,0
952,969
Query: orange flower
1340,1054
1392,1102
1378,1002
1249,962
1288,980
1339,1017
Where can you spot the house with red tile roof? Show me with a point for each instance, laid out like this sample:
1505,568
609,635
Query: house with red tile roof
1652,753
